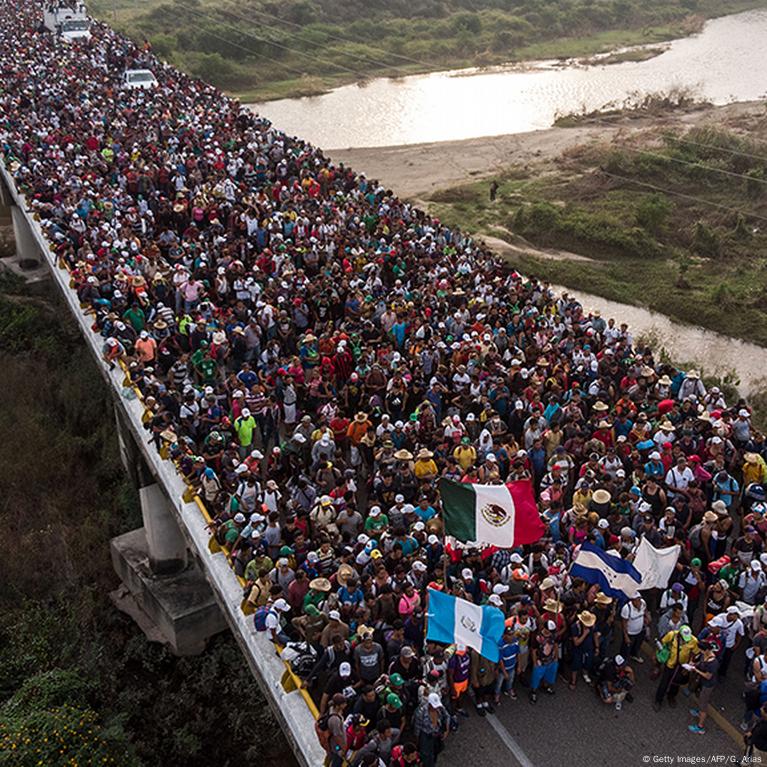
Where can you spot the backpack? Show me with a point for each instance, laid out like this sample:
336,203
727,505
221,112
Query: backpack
323,731
260,617
695,539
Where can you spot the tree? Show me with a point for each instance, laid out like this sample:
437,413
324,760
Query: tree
652,212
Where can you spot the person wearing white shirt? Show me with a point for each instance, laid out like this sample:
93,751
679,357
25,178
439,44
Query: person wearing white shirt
678,478
731,631
634,618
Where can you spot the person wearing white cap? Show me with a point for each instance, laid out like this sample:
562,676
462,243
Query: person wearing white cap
245,427
431,726
273,621
752,582
732,632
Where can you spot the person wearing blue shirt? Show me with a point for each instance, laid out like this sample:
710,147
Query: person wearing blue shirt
654,467
424,511
508,651
726,488
246,376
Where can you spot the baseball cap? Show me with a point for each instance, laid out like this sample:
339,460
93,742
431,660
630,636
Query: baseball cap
434,700
334,615
281,605
467,573
495,599
551,626
619,660
686,632
345,669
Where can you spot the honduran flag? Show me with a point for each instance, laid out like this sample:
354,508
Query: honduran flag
491,515
455,620
615,576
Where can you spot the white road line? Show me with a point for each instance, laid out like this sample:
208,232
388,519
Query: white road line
508,741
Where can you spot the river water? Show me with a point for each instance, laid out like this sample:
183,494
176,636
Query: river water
726,62
713,353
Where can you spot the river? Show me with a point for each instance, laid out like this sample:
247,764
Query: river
725,62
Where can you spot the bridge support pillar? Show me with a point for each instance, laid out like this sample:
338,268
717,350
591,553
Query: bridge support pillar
28,261
164,590
167,547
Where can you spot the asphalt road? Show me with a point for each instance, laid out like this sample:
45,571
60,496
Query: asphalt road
575,727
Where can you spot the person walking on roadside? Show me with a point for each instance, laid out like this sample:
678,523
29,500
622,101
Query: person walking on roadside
675,651
704,671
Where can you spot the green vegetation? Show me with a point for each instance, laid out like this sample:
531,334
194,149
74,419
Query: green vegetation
79,683
672,222
261,49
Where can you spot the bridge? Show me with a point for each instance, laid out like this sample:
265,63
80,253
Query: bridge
180,582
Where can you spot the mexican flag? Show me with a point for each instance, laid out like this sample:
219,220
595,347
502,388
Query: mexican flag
491,515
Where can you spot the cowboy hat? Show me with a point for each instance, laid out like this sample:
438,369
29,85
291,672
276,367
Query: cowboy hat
601,497
710,516
603,599
343,573
403,455
552,606
360,417
424,453
320,584
600,407
587,618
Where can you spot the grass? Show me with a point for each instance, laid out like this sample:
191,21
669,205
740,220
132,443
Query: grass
260,50
698,263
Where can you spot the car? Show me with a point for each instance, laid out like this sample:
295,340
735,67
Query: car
142,79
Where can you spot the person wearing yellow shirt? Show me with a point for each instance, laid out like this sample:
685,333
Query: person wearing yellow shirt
754,469
678,647
465,454
424,467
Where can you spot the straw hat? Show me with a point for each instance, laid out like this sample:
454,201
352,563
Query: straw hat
666,426
403,455
600,407
587,618
552,606
343,573
603,599
320,584
360,417
751,458
547,583
694,375
601,496
603,425
664,380
424,453
710,516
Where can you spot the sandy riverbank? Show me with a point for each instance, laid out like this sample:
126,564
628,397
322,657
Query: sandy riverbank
418,170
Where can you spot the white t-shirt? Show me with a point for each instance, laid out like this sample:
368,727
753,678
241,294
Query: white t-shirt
729,631
635,617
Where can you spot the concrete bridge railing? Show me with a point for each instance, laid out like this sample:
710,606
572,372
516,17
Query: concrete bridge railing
167,515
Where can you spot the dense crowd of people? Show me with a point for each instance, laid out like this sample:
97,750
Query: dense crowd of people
315,353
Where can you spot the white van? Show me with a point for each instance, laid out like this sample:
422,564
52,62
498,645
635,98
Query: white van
68,21
142,79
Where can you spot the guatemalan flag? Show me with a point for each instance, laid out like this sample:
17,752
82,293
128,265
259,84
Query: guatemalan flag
615,576
452,620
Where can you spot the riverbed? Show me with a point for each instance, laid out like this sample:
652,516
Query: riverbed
725,62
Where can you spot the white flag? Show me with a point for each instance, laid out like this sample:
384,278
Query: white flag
655,565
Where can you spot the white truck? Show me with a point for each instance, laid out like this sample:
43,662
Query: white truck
69,21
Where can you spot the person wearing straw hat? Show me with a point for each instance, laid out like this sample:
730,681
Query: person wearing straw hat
582,636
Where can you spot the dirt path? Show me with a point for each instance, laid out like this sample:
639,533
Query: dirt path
421,169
